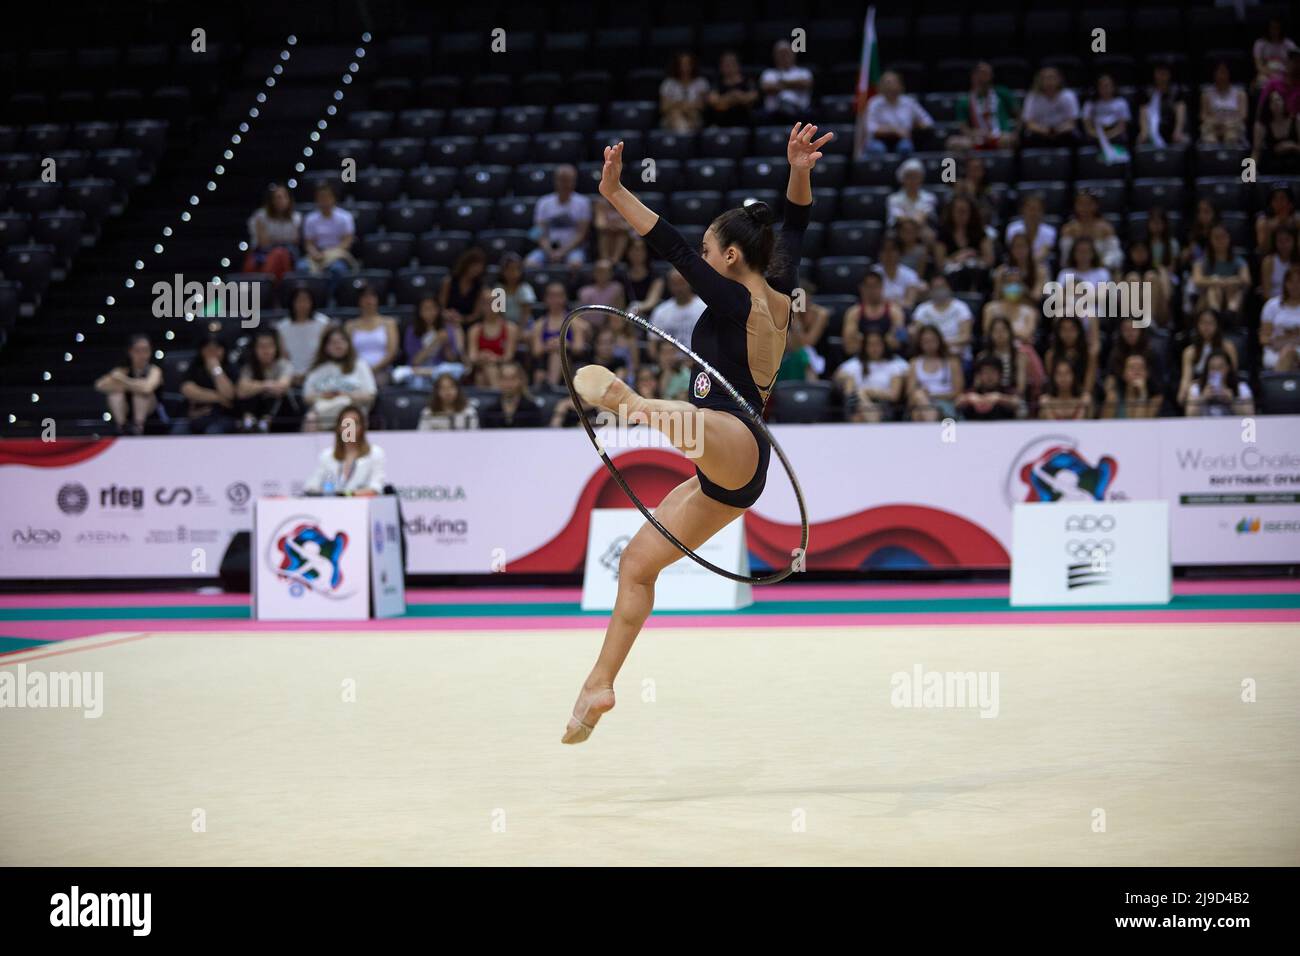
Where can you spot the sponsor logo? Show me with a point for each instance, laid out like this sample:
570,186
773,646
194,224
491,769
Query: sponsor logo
73,499
443,529
307,558
1058,472
1248,526
238,494
36,537
1089,560
116,496
103,537
431,493
182,534
1090,523
703,385
1256,526
173,496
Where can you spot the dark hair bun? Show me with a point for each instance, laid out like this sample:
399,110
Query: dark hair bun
759,211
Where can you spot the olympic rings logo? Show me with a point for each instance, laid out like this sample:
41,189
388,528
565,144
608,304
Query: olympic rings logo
1088,548
1090,523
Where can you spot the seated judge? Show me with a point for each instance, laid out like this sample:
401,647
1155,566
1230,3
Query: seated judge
352,466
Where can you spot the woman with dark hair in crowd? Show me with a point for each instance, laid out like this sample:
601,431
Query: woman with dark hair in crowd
874,380
963,250
1070,344
264,386
351,466
746,275
460,295
1221,278
1021,268
934,378
375,337
1207,337
643,289
1218,390
338,379
1132,339
1280,211
1066,399
433,345
492,343
449,408
1134,393
131,389
1138,267
1283,253
208,391
1164,245
682,95
1277,137
515,291
1050,114
1198,235
872,313
1000,345
1163,115
900,283
544,336
732,103
275,234
1223,110
1279,326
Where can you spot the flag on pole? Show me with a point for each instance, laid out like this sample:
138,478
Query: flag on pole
868,79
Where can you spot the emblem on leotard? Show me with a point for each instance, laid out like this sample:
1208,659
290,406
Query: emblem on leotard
702,384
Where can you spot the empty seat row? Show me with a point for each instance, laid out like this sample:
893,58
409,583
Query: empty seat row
146,135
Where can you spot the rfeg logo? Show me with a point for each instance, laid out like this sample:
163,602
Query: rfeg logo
307,558
1055,470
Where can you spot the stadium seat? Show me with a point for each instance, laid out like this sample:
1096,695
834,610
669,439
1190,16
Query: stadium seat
801,402
1280,393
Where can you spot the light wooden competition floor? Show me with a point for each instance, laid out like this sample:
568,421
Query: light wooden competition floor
728,746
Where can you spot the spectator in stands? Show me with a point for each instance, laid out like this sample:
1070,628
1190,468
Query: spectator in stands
1223,110
208,391
873,380
950,315
963,250
986,399
1040,233
682,95
911,201
1106,120
900,283
1164,245
1070,344
795,365
934,378
461,292
677,314
1198,236
301,330
131,389
872,313
1283,253
1288,85
675,379
449,409
641,287
1022,270
732,103
351,465
1001,347
807,328
974,185
1279,326
1207,338
1281,211
986,114
1086,272
516,408
1087,222
544,336
434,347
375,337
1163,116
274,232
1138,267
1219,391
1066,399
338,379
1222,277
787,87
265,387
562,220
328,234
1133,340
647,381
514,292
603,289
1277,139
492,343
1133,394
1050,115
607,351
893,118
613,234
1011,300
1271,52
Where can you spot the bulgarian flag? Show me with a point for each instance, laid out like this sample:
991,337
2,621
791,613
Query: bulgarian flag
868,78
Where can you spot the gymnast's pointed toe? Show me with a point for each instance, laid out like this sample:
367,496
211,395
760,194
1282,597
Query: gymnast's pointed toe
593,383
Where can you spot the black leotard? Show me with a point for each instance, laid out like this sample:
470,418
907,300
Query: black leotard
721,335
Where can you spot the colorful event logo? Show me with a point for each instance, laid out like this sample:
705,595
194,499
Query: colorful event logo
1248,526
1061,473
308,558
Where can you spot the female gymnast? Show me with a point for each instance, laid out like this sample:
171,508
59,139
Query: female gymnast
745,274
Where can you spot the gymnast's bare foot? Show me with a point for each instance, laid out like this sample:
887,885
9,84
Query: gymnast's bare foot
600,387
592,703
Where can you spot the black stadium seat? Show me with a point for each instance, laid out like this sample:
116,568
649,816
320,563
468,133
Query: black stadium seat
1280,393
801,402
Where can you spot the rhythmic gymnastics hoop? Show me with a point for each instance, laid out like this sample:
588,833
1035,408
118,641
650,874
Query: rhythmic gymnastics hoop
745,407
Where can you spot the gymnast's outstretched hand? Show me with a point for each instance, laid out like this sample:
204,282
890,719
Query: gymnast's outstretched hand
803,150
611,174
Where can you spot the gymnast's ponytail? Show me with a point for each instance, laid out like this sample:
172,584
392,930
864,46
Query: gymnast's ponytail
749,229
